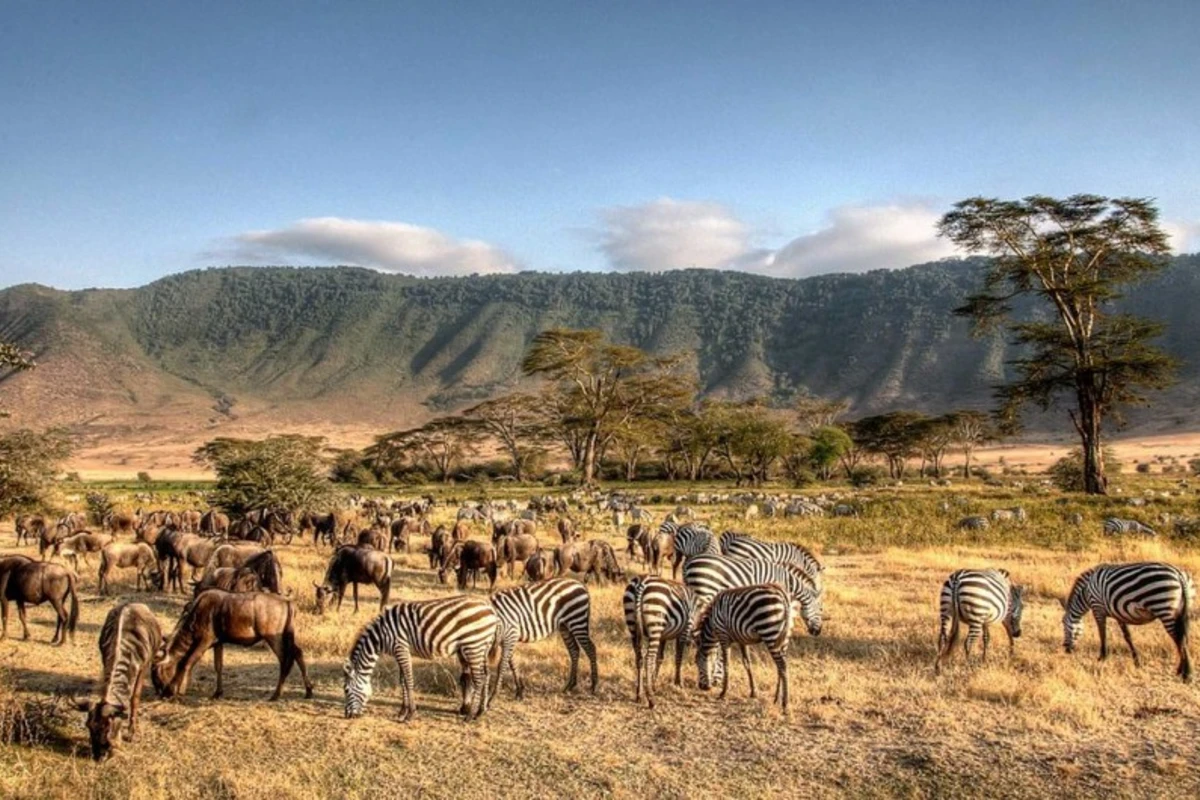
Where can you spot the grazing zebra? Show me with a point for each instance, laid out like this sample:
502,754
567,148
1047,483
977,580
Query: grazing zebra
745,615
742,545
973,524
656,611
977,597
690,540
1114,526
707,575
534,611
1132,594
462,626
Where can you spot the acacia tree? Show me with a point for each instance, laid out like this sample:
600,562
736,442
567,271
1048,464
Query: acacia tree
1073,255
288,471
518,422
689,439
814,411
895,436
600,386
442,443
970,429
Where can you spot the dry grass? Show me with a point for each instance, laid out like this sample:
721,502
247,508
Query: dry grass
869,718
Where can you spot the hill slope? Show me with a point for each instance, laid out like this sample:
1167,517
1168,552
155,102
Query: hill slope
350,351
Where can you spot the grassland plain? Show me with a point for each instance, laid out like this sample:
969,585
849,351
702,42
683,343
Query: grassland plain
868,717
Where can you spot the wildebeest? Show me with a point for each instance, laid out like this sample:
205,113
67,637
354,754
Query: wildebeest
514,548
373,537
119,522
403,529
215,618
214,523
35,582
566,529
637,542
537,566
594,558
81,544
232,555
245,530
462,531
514,527
261,572
129,641
323,526
48,537
29,527
468,559
123,555
355,565
440,543
188,550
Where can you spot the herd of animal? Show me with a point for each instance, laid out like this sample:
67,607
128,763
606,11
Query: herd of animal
736,590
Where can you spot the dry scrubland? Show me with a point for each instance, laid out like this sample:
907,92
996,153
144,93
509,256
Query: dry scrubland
868,716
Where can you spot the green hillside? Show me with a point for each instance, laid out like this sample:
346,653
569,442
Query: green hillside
343,341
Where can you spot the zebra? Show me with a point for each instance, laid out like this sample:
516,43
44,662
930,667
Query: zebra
534,611
656,611
690,540
1114,526
742,545
1133,594
977,597
745,615
462,626
707,575
973,524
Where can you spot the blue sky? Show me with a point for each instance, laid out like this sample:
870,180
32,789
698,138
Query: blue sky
138,139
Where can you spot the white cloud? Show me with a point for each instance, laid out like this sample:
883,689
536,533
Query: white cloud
673,234
862,238
1184,236
387,246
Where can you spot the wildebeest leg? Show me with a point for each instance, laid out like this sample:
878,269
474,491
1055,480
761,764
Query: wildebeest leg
21,615
218,665
134,700
60,620
385,591
341,593
1137,662
355,585
749,672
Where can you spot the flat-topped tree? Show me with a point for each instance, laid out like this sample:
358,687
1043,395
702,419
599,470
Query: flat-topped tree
13,359
1072,256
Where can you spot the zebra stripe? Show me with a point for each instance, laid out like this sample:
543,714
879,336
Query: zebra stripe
657,611
743,545
707,575
1132,594
533,612
462,626
689,540
977,597
1114,526
742,616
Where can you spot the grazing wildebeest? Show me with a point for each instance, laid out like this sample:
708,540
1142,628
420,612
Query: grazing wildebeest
662,552
29,527
355,565
120,522
260,573
566,529
232,555
49,537
514,548
188,550
214,523
537,566
404,529
469,559
215,618
376,538
323,526
594,558
637,542
462,531
129,641
123,555
81,544
245,530
36,582
439,546
514,527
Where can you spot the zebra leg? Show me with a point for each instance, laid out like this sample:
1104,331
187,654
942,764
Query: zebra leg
662,649
1137,662
973,630
749,672
1102,626
1179,631
781,679
404,662
987,639
637,664
479,680
680,649
725,670
653,654
585,642
946,643
573,653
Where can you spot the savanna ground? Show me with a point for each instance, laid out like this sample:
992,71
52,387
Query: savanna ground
868,716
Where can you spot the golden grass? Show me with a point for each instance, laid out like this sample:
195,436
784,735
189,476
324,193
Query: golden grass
868,718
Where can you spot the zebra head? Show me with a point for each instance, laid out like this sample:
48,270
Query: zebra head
356,684
1072,619
1016,604
810,612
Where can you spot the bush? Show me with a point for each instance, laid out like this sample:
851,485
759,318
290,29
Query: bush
1067,472
276,472
144,477
1144,468
28,463
866,475
1194,466
99,506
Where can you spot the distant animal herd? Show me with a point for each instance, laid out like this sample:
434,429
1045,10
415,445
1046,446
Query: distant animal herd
736,590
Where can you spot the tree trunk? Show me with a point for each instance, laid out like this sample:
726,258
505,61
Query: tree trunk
1088,425
589,459
966,462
